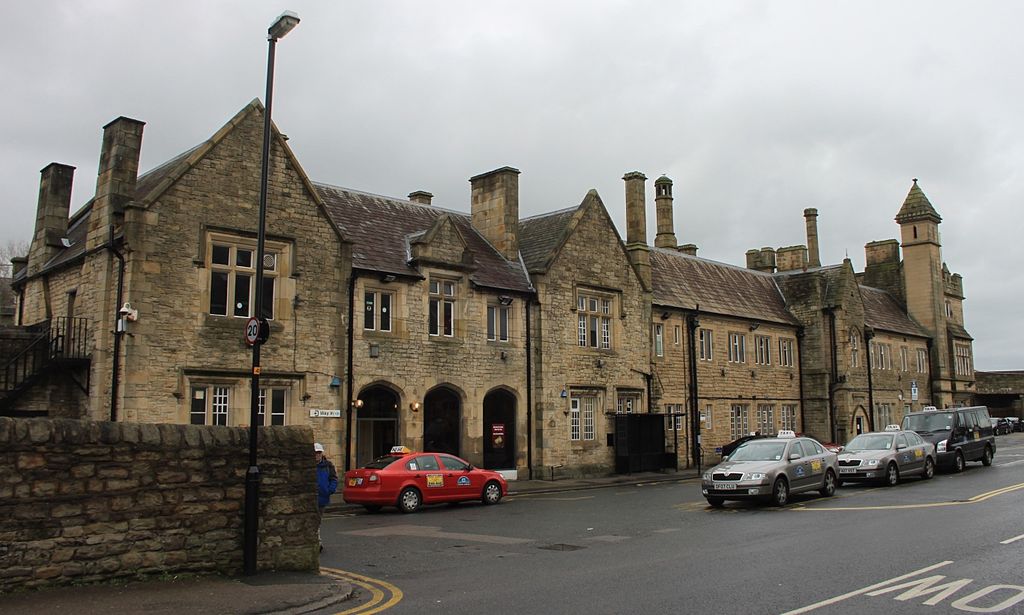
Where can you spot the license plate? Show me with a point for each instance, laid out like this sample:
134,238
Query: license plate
847,470
352,482
725,486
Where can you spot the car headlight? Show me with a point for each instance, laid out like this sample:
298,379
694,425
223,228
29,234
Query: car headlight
872,462
754,476
707,476
941,446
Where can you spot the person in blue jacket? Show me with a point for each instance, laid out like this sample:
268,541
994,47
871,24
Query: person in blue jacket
326,483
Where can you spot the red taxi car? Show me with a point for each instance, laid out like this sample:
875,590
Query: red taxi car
408,480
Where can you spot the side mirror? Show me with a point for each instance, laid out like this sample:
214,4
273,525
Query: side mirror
725,458
900,447
841,449
794,456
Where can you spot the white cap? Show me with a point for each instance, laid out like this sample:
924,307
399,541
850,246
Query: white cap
318,448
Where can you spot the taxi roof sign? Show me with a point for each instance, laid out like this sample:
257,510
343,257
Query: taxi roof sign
929,409
400,450
892,427
787,433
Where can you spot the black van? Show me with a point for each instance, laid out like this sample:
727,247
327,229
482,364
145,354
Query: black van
959,434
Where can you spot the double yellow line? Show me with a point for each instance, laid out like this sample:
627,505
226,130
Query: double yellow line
383,595
974,500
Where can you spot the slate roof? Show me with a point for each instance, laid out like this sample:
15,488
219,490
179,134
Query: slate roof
917,207
541,236
380,228
684,281
958,331
881,311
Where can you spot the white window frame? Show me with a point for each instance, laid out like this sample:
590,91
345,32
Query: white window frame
739,420
766,418
788,417
659,339
737,348
378,306
786,358
594,320
234,272
628,402
709,417
443,295
922,360
678,335
574,418
854,348
674,423
278,405
762,350
498,322
964,366
904,359
582,413
706,339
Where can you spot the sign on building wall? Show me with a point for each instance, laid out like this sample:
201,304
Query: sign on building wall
913,390
321,413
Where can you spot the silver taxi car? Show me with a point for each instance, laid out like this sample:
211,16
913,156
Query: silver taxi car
771,469
886,456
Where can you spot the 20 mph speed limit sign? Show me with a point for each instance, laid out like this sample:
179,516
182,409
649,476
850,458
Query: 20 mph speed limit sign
252,331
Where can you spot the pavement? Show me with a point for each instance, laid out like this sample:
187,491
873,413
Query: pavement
283,593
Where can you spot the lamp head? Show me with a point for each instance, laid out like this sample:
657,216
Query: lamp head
282,25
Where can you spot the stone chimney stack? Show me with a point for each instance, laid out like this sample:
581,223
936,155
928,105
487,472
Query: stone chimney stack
761,260
792,258
811,218
118,174
421,196
51,214
495,209
666,237
636,225
688,249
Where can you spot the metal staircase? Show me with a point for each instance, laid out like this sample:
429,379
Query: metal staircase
29,353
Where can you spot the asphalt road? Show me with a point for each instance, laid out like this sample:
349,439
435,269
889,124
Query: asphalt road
949,545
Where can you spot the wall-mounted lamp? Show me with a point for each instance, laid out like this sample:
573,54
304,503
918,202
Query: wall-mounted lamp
358,403
755,326
414,406
504,355
665,315
565,412
386,278
505,300
374,351
564,394
335,382
599,363
723,371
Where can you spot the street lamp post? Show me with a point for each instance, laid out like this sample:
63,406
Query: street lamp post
282,26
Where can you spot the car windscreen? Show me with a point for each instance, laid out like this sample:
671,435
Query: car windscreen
759,451
870,442
382,462
931,421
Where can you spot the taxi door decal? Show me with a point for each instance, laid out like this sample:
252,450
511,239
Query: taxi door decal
435,480
463,481
815,465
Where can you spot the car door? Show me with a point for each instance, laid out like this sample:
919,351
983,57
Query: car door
816,462
459,482
428,477
905,459
799,469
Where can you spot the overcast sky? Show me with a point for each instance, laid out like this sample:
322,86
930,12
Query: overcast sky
756,110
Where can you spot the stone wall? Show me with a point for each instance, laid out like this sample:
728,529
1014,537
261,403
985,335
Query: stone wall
88,501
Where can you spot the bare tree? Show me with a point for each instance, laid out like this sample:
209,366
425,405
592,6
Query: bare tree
9,250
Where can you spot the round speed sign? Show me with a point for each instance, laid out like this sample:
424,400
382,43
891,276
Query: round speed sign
252,330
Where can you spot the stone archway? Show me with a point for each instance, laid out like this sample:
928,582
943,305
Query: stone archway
500,430
376,423
442,414
859,422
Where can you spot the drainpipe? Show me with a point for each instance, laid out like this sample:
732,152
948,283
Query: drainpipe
692,323
348,370
869,334
833,378
800,375
529,392
118,326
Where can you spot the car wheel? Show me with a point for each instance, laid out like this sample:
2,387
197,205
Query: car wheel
986,459
828,488
716,502
929,468
372,508
958,462
409,500
492,493
892,475
780,492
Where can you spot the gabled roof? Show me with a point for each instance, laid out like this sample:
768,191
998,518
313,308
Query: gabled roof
541,237
684,281
380,228
882,312
917,207
957,331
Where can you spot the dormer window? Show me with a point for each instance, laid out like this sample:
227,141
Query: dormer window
442,308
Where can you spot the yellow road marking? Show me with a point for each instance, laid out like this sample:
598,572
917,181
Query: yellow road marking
379,591
974,500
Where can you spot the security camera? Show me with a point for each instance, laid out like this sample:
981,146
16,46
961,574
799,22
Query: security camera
126,309
128,313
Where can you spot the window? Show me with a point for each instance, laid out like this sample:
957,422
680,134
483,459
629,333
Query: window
595,321
949,309
883,414
766,418
904,359
674,421
881,356
659,340
762,350
786,352
276,406
442,308
788,417
707,347
497,323
738,421
209,405
963,359
377,316
679,335
922,360
854,348
581,417
737,348
627,402
708,417
233,280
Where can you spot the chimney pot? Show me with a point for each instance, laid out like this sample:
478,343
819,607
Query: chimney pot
421,196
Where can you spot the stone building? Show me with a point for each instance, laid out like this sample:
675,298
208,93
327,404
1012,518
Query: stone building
544,346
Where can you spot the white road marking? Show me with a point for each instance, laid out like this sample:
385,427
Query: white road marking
1014,539
818,605
424,531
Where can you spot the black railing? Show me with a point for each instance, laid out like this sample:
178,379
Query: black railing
69,338
58,339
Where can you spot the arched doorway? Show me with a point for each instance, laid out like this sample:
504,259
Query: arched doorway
500,430
860,421
376,423
441,413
